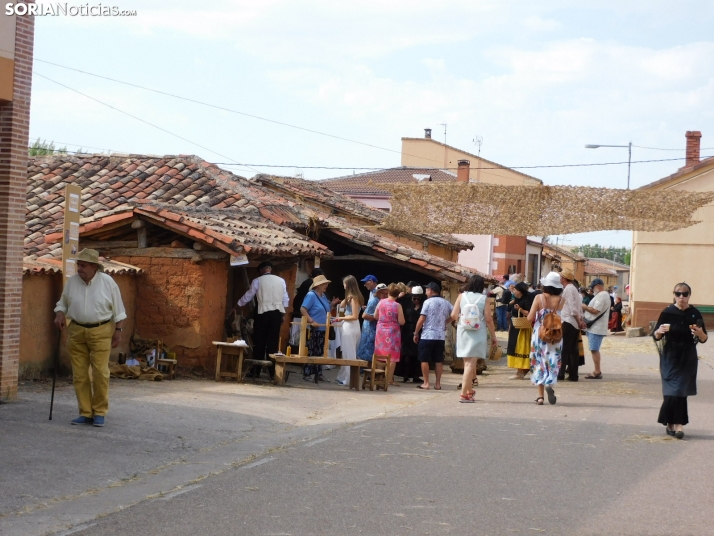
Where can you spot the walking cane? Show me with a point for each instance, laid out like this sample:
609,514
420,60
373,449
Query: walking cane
56,366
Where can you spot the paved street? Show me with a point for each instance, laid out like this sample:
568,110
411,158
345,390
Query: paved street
254,459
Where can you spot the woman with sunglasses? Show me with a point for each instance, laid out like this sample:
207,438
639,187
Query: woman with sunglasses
679,328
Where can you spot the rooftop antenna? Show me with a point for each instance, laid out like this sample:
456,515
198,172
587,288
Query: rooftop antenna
478,140
444,125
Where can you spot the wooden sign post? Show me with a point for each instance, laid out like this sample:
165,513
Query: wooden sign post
70,234
70,247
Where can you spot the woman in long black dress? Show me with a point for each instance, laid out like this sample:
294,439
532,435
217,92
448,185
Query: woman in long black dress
682,327
519,354
410,368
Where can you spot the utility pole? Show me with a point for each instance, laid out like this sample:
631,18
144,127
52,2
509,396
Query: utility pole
444,125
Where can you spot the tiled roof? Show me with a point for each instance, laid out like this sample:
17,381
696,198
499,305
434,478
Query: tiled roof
359,184
319,192
198,199
420,260
33,266
681,172
109,182
233,231
562,252
617,266
598,268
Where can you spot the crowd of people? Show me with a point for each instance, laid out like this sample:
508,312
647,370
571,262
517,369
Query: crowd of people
546,324
408,323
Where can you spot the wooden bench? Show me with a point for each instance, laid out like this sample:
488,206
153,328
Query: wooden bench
282,360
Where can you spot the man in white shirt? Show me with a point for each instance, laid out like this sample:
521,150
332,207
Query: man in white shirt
273,298
571,315
598,308
91,309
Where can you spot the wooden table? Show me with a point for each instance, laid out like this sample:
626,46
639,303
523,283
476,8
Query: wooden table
229,349
281,360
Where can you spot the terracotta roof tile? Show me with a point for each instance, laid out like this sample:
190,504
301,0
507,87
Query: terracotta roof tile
256,218
53,265
333,201
360,183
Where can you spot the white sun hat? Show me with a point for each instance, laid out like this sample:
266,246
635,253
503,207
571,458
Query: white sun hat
551,280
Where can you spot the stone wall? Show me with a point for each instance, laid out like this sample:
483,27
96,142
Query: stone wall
183,304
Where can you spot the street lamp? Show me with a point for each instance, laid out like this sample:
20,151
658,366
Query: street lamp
629,156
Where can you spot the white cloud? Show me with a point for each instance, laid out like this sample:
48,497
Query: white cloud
539,24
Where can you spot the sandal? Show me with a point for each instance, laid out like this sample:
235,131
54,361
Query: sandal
551,395
539,400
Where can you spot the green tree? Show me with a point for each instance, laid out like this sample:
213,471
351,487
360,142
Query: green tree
596,251
44,148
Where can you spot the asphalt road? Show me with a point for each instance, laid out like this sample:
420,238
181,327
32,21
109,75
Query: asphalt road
595,463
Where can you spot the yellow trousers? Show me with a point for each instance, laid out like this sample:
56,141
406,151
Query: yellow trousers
90,347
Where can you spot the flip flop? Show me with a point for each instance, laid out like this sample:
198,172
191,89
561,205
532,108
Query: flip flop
437,388
422,388
594,376
551,395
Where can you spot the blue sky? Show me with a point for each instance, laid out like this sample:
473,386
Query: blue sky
536,80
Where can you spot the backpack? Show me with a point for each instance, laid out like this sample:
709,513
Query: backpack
551,327
470,317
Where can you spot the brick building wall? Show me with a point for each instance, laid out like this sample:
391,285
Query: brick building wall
14,140
509,254
183,304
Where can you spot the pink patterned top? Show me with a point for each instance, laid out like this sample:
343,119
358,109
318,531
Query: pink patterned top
388,340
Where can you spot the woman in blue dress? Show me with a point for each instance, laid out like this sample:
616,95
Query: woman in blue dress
315,307
472,344
369,326
546,357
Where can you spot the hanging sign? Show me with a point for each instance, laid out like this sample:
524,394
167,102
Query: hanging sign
70,235
239,260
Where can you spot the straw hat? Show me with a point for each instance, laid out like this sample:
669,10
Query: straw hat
319,280
552,280
90,255
567,274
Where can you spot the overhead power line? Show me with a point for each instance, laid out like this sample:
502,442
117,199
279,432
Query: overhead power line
421,168
366,168
218,107
141,120
680,149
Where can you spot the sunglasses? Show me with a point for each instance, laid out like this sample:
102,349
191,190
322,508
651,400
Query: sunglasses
682,294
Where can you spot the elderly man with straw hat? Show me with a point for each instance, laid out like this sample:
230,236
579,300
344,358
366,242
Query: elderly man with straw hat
92,311
572,316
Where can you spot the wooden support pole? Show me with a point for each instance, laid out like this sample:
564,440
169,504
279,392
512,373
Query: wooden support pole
328,327
302,349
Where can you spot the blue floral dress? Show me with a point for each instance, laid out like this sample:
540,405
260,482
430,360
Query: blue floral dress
545,358
369,329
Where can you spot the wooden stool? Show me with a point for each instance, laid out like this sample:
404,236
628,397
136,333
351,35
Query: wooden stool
378,374
170,365
229,349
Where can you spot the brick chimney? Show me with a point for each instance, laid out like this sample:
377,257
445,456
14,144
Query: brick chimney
693,144
462,173
427,133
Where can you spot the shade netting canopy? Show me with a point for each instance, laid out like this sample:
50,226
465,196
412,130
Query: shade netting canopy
477,208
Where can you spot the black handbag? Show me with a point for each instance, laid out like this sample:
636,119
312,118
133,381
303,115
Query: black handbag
589,323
